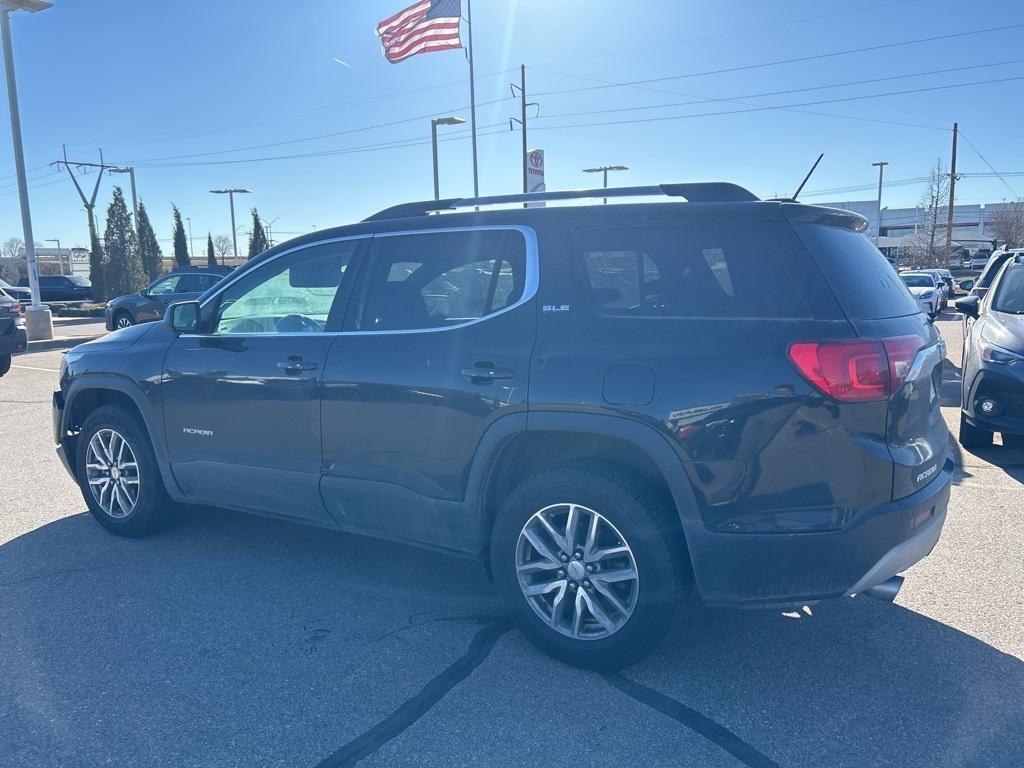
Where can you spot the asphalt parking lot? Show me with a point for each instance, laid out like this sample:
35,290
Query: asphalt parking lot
237,641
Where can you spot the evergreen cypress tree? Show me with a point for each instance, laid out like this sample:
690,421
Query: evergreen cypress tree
124,272
97,269
257,238
211,257
180,243
149,249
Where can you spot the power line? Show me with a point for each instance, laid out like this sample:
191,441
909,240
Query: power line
986,162
783,106
778,62
787,91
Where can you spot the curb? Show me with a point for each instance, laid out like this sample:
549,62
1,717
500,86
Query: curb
60,342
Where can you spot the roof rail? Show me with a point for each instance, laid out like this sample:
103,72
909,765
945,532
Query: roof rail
701,192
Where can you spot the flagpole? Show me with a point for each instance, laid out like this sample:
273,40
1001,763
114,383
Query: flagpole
472,97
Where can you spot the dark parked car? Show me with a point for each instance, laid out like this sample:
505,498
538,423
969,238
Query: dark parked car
12,331
61,287
993,364
615,406
23,295
151,302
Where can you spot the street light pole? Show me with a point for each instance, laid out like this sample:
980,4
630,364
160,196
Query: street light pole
433,142
604,171
881,170
38,320
191,243
60,256
130,170
231,196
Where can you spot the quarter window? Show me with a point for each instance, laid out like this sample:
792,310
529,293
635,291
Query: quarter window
441,279
294,293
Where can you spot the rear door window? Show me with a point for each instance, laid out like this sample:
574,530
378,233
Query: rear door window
866,285
442,279
698,269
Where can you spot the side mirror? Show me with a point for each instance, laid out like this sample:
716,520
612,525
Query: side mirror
182,317
968,305
965,285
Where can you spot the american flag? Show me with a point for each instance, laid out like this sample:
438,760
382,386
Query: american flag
428,25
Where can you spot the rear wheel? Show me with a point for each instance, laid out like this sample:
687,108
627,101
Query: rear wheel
589,563
5,364
118,475
973,437
123,320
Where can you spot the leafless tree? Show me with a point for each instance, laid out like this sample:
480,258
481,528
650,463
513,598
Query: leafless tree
930,242
1007,224
9,250
222,245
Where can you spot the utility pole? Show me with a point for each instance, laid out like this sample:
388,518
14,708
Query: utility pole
520,90
191,244
96,257
952,192
38,318
881,169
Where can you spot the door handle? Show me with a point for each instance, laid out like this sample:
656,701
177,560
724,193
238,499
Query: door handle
484,373
295,365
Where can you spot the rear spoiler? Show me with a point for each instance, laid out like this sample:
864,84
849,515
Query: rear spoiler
831,217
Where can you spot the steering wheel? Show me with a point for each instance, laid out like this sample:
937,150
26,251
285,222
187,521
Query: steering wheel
297,324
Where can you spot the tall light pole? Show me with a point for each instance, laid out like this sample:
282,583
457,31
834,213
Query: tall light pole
881,170
231,195
38,321
433,141
604,170
135,198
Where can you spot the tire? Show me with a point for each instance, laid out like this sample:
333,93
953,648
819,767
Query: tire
123,320
5,364
629,513
973,437
151,508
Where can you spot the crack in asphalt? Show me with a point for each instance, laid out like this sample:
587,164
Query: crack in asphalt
692,719
413,709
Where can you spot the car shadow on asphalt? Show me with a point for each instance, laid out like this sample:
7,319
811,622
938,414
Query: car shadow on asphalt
234,639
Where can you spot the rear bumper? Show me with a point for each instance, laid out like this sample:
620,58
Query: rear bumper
14,341
763,570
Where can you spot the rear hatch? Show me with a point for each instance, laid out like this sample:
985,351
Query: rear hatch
880,307
9,309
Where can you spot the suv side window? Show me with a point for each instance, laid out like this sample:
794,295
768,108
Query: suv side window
293,293
441,279
191,282
165,285
701,269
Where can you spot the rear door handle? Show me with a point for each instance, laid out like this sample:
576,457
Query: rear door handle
295,364
483,373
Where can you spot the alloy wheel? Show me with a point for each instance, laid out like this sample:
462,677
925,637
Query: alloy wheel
123,321
577,571
112,473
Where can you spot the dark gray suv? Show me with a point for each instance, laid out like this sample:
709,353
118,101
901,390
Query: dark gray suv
152,301
614,406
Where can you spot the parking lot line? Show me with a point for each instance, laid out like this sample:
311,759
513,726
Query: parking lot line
33,368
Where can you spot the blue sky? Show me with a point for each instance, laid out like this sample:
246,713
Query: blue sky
175,87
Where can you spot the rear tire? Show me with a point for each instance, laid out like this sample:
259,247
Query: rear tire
118,474
592,580
973,437
5,364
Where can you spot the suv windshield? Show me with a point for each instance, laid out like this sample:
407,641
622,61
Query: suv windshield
1010,294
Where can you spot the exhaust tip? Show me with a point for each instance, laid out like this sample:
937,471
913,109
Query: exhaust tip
886,591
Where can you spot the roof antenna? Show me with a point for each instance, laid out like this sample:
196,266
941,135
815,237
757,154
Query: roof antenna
801,187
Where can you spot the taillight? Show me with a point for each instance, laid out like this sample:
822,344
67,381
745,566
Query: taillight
15,309
858,369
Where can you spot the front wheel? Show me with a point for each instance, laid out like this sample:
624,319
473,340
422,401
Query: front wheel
118,474
590,564
123,320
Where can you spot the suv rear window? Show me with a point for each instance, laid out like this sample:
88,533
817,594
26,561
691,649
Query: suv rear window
866,285
694,269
